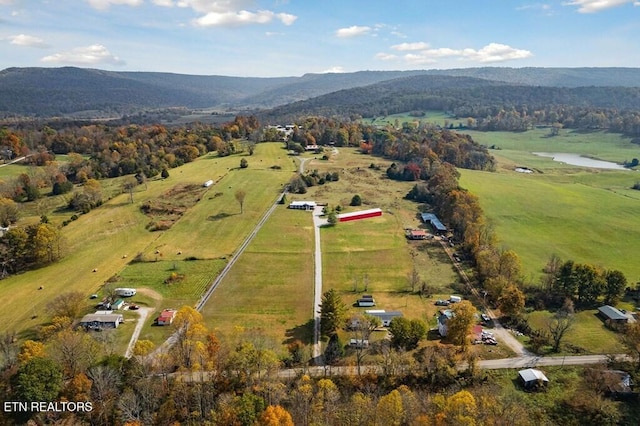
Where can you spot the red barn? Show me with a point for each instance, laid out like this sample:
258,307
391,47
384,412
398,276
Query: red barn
362,214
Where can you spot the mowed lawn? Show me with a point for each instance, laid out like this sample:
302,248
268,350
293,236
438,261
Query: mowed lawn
587,333
101,243
270,287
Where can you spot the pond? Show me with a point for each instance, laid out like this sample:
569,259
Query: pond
579,160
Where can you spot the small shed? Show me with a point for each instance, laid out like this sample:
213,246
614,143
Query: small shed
367,301
166,317
417,234
360,214
118,304
609,313
532,378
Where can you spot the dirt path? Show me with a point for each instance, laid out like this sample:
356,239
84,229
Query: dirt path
144,313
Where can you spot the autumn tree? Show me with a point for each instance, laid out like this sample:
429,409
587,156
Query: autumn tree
240,196
189,348
9,212
332,312
405,333
69,304
511,301
460,325
275,415
31,349
631,341
45,243
389,410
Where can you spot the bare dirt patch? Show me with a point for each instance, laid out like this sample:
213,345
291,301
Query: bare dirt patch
167,209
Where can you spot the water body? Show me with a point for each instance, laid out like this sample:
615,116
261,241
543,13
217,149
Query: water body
579,160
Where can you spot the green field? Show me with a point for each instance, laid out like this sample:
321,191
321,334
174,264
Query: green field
438,118
586,215
100,244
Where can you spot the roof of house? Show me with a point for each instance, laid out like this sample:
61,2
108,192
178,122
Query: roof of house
101,318
418,232
359,213
612,313
167,314
445,315
384,315
433,219
531,375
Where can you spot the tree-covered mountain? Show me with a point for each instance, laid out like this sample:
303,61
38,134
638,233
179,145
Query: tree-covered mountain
47,92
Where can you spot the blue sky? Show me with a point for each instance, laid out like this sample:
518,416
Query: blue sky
269,38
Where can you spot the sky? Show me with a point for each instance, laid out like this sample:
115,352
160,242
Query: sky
276,38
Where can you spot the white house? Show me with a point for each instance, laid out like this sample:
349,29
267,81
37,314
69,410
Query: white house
445,316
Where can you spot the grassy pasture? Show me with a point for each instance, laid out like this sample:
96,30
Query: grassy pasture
100,240
590,217
270,288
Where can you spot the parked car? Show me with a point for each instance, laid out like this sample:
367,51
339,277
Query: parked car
134,307
93,296
441,302
485,318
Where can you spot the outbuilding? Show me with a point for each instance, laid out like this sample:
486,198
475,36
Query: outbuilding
417,234
532,378
366,301
609,313
166,317
435,223
361,214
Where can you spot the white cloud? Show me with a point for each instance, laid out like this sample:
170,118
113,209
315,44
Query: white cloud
89,55
410,46
6,2
29,41
592,6
385,56
105,4
493,52
243,17
353,31
333,70
163,3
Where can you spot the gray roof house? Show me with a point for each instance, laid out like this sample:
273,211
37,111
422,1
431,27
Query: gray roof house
100,321
609,313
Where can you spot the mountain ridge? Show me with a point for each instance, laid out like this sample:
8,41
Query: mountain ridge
46,92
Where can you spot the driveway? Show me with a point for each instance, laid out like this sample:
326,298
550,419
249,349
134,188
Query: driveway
144,313
318,222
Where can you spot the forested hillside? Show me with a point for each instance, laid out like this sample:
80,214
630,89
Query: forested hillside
92,93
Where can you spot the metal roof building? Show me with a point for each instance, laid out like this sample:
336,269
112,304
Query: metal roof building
433,220
611,313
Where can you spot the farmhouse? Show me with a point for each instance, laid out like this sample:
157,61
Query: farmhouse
101,321
361,214
532,378
609,313
417,234
435,223
166,317
384,316
303,205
